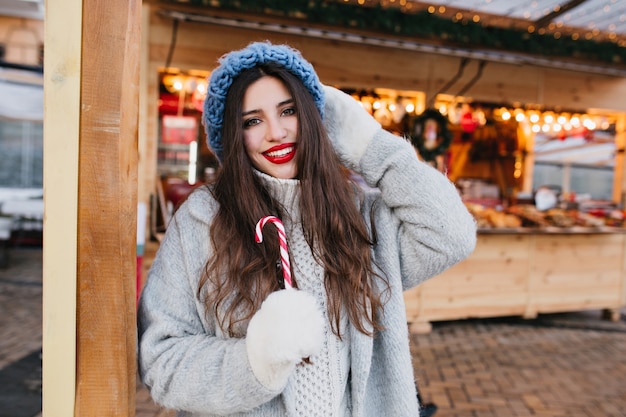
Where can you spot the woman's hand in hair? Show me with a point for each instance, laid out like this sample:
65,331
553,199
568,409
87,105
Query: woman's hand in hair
287,329
349,126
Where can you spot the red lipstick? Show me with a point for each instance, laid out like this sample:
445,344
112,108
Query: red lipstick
280,154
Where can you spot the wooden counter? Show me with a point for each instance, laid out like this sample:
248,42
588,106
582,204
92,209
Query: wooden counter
526,273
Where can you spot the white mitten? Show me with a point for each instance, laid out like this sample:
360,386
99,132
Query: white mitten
288,328
349,126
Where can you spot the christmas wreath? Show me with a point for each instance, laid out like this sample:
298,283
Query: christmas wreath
430,134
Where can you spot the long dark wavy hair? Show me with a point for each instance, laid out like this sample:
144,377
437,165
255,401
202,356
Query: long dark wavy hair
242,273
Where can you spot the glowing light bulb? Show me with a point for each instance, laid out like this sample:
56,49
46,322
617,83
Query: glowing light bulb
589,124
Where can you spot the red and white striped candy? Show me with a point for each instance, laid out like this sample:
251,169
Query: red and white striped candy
282,240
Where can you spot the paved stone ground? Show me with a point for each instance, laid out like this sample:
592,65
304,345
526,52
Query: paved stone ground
20,305
20,329
570,365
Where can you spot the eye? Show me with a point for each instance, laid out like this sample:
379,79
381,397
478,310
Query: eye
251,122
289,111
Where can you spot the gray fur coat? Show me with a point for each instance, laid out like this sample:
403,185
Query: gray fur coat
190,365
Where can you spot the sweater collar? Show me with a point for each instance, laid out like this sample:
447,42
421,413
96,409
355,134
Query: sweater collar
285,191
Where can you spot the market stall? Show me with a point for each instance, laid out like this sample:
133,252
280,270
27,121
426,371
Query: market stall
463,114
525,273
541,248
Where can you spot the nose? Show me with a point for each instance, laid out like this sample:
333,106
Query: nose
275,129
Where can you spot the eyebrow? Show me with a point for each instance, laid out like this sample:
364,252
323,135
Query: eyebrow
282,103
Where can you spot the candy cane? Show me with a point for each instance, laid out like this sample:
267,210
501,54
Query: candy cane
282,239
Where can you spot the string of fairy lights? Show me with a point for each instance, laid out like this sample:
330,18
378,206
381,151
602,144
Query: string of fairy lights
606,23
390,106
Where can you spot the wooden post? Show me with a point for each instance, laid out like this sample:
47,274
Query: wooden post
619,195
619,176
107,209
91,158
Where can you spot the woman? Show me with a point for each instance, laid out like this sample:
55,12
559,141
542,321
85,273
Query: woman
218,334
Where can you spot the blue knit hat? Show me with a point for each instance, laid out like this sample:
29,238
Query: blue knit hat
233,63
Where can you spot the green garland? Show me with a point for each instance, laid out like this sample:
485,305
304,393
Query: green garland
422,25
417,130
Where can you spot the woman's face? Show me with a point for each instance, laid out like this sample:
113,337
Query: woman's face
270,127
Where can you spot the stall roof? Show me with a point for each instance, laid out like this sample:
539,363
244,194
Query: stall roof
598,19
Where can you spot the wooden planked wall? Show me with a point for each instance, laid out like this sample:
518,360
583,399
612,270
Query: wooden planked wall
524,275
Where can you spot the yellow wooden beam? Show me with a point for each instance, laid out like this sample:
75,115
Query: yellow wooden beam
62,77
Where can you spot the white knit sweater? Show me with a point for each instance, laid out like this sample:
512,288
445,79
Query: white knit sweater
320,388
